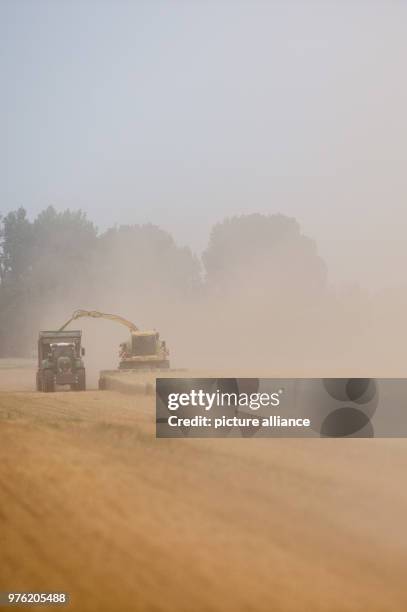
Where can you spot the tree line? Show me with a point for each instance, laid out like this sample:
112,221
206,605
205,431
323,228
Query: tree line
59,259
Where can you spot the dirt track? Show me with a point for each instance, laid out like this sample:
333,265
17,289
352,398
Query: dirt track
91,503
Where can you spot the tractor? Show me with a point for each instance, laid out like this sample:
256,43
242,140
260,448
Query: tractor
60,360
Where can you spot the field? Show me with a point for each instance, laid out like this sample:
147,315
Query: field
92,504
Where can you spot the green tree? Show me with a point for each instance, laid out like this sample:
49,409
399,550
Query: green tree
15,269
265,251
39,261
145,258
61,251
15,245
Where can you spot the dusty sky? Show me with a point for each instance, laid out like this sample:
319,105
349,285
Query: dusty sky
181,113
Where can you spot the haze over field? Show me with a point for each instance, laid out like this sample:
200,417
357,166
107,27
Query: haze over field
231,173
182,113
187,115
260,299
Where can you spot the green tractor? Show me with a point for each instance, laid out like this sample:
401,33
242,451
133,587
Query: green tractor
60,360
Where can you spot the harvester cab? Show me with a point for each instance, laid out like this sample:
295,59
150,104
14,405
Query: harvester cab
144,350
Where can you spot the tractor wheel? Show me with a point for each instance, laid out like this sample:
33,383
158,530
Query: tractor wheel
81,384
48,381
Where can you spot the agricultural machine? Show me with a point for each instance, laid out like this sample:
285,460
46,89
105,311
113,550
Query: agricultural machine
60,360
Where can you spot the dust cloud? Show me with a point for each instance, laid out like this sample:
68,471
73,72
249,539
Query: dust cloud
259,300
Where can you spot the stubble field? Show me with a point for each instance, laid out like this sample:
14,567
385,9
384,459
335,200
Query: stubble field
91,503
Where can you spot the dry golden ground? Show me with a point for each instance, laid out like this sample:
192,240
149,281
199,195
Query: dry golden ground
92,504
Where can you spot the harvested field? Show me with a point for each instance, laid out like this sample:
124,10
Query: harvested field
92,504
